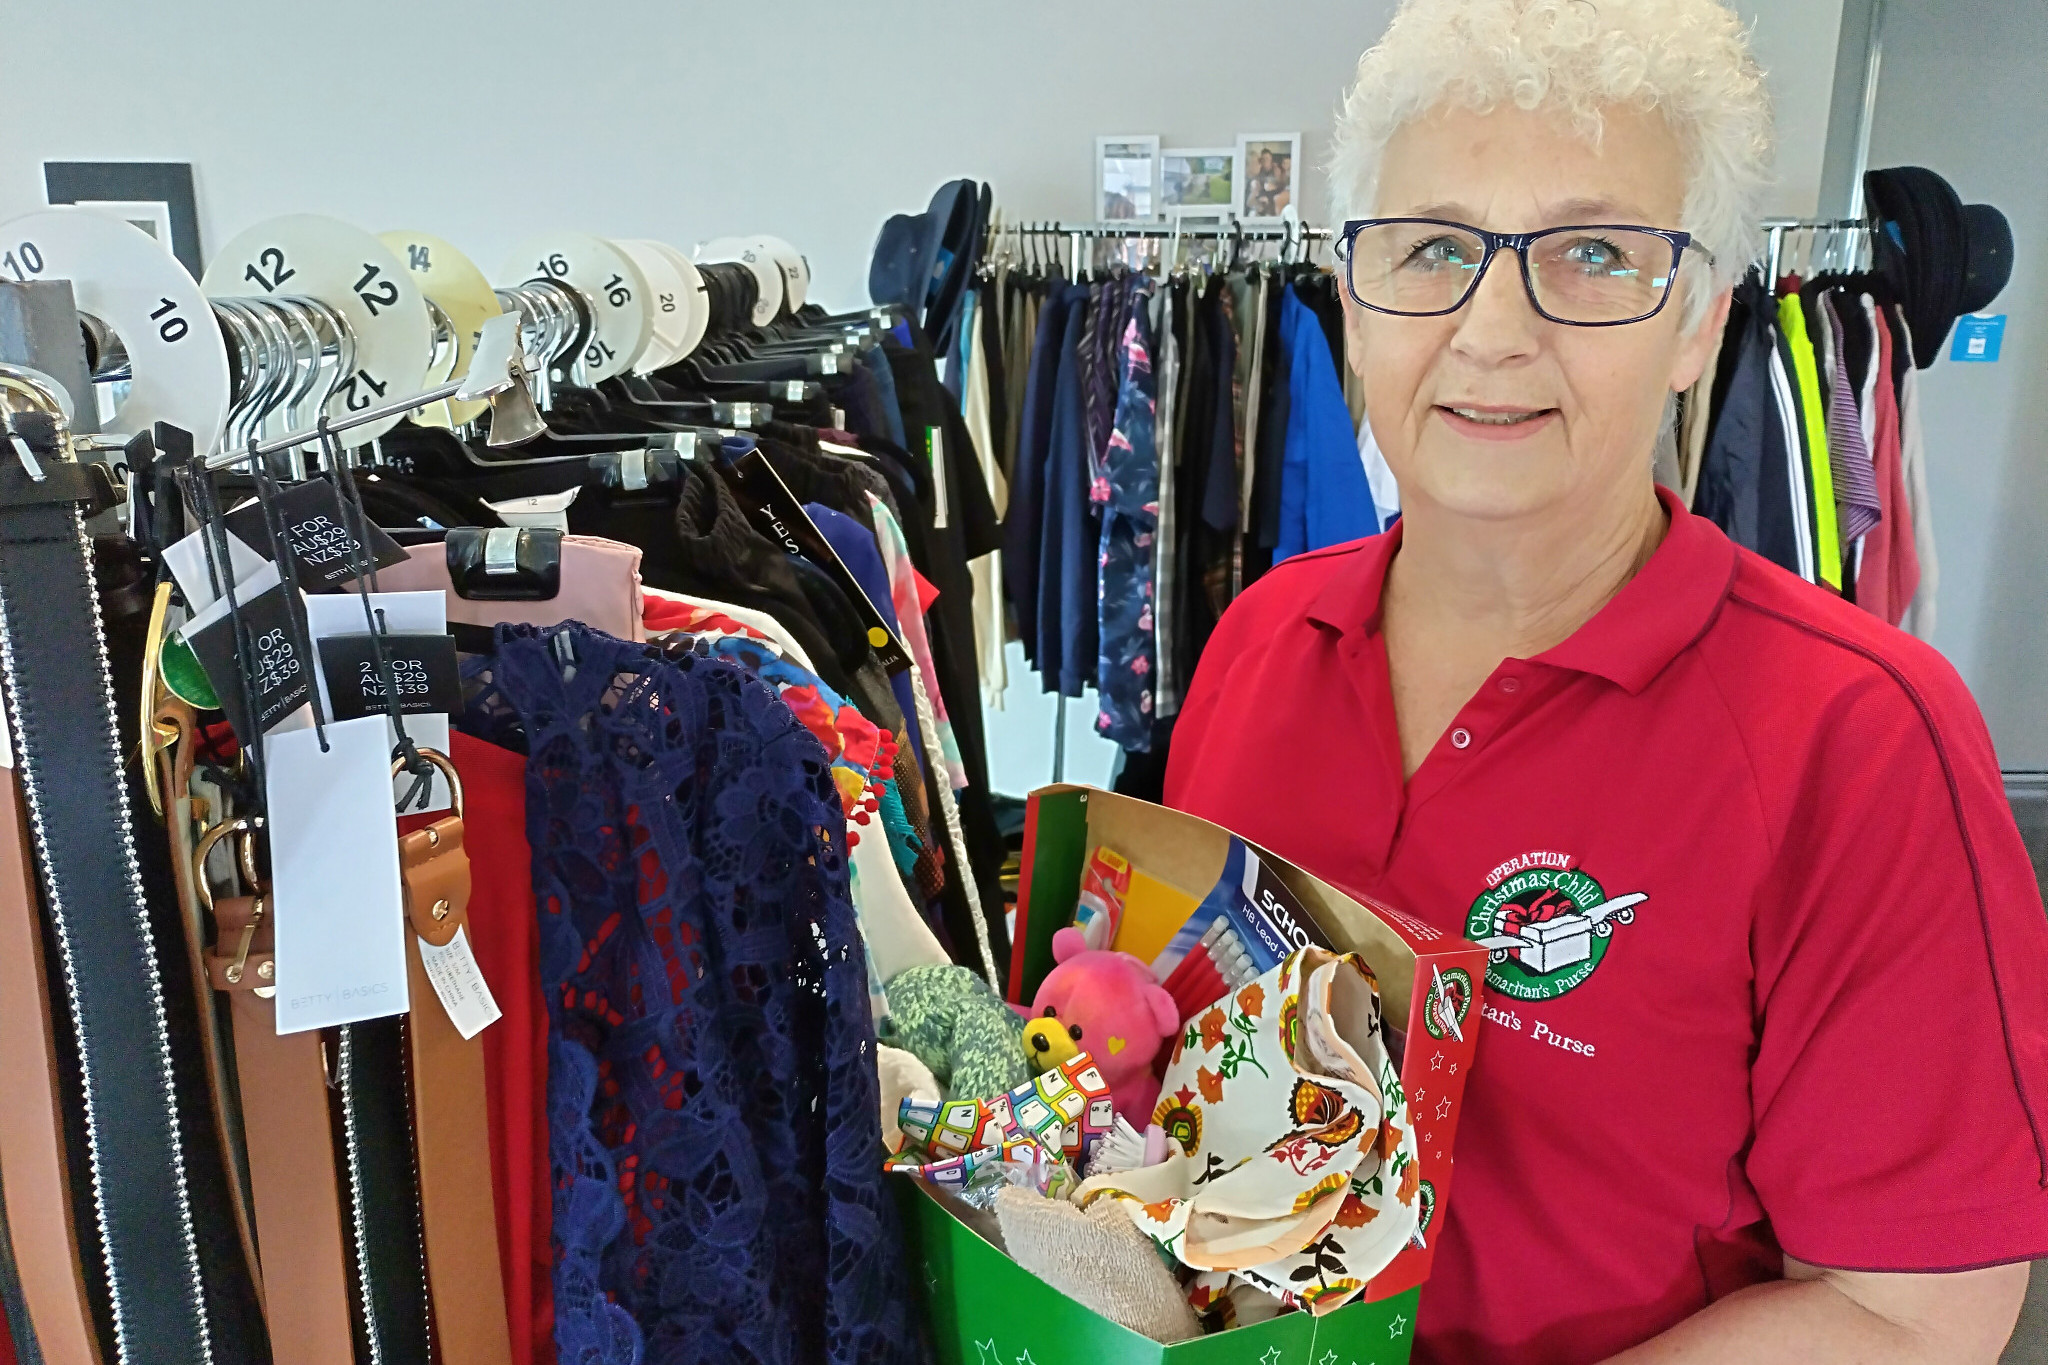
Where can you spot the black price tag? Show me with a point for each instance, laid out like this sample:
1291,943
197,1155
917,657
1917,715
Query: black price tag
776,514
312,519
423,669
283,680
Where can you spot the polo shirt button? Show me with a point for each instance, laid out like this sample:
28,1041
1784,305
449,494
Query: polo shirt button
1510,684
1461,738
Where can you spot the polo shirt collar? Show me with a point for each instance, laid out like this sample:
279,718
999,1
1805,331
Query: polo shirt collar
1657,614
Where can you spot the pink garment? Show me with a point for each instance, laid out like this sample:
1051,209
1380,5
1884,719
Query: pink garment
1890,571
600,588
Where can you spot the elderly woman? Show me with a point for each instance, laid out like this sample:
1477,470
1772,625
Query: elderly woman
1764,1073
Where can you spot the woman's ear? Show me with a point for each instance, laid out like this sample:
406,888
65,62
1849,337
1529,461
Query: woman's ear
1704,339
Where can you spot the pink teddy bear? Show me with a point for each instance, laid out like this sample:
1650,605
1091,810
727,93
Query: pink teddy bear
1110,1006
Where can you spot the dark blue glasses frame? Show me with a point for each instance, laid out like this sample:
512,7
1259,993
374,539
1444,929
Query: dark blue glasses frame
1518,243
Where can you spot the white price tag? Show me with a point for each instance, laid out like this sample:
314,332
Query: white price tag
633,469
187,562
334,876
794,392
460,983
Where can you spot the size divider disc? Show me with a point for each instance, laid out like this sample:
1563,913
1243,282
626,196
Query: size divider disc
668,305
351,272
796,271
128,280
700,298
768,301
453,282
608,279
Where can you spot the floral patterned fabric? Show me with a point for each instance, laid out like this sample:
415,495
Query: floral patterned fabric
1291,1164
1129,492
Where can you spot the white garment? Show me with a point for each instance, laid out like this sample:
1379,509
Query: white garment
1919,617
987,571
894,933
1379,476
785,643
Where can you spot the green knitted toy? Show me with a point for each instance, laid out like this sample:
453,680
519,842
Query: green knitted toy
950,1020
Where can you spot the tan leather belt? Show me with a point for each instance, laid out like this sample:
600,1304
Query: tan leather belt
450,1108
172,730
289,1137
33,1164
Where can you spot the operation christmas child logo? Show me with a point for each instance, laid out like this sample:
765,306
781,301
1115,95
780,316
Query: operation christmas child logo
1546,925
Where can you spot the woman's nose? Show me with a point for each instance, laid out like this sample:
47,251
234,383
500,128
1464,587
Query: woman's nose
1498,323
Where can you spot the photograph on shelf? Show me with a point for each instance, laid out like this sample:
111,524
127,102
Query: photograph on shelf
1126,177
1197,180
1266,167
156,196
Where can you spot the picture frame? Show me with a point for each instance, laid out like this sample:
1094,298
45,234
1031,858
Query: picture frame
1126,177
1268,171
1198,180
156,196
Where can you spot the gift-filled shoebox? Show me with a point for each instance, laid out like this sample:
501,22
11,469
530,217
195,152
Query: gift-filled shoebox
1237,1143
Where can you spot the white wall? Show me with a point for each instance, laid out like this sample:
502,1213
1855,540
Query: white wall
1962,93
810,120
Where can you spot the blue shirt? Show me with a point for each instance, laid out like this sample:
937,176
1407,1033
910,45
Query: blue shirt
1324,497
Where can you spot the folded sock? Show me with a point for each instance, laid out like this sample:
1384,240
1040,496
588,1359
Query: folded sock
1097,1257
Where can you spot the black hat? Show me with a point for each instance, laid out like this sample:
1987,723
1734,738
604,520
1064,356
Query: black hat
1990,255
918,257
1945,258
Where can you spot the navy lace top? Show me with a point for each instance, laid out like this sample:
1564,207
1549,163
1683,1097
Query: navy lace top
712,1111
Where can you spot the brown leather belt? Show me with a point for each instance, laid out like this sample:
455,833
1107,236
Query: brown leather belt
450,1108
172,730
33,1164
289,1137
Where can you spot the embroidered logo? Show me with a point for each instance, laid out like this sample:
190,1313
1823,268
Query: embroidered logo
1546,925
1450,1000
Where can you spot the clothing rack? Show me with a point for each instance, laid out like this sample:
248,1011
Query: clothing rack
1854,232
1133,229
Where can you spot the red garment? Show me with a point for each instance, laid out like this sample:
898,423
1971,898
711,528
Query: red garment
1890,572
1822,1024
504,935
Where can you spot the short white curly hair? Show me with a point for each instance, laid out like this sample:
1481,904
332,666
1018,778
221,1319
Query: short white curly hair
1689,59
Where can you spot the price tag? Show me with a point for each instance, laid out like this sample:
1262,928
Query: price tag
794,391
632,472
460,984
423,670
403,613
326,550
283,681
187,562
334,877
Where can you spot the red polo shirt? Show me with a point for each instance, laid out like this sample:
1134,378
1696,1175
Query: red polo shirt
1771,966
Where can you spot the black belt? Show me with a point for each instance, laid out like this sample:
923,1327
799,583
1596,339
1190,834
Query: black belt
381,1209
60,706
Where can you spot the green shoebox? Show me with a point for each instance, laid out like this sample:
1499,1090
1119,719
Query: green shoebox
985,1309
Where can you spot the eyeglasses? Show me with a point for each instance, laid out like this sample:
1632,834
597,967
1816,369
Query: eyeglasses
1599,275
